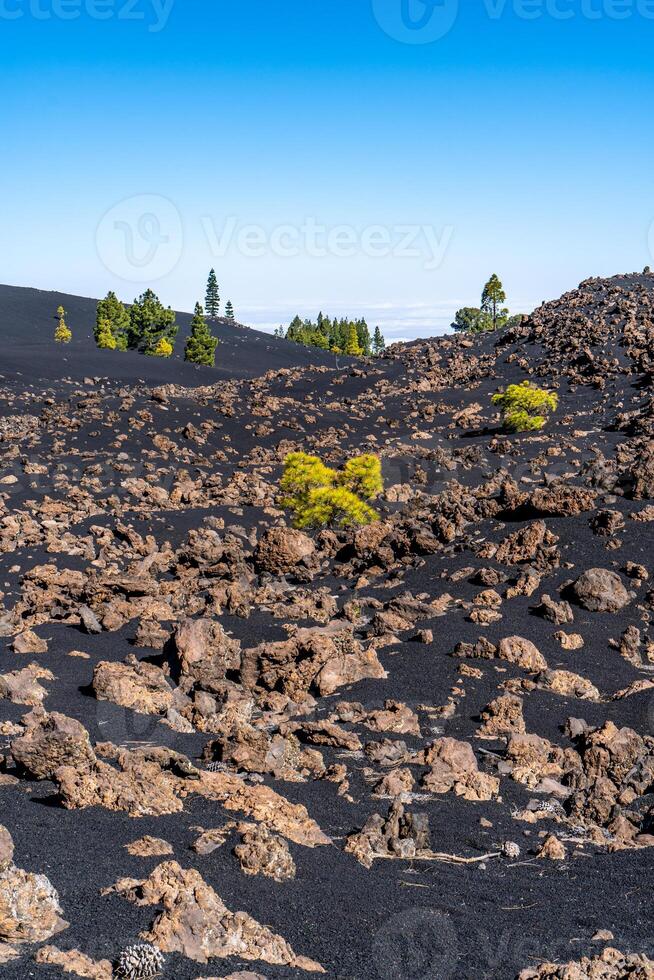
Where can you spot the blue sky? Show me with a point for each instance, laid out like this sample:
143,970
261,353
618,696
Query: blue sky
326,154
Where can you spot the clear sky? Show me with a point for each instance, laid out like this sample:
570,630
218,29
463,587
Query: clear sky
365,156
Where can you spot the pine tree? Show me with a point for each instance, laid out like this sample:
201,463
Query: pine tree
150,323
352,344
63,334
491,301
363,335
111,322
295,330
212,298
334,337
104,336
470,319
229,311
201,344
378,342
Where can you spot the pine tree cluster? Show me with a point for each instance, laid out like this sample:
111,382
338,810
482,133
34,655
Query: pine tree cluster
341,336
148,326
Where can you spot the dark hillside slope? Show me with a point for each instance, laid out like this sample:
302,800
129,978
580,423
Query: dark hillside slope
28,321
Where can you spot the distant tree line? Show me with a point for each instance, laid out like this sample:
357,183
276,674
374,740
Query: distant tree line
491,314
340,336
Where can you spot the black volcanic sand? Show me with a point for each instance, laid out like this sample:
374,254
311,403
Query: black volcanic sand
28,318
401,919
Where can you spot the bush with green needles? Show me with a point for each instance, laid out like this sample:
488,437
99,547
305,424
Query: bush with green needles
319,496
525,407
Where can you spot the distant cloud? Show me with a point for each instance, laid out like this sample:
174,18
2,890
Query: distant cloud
396,322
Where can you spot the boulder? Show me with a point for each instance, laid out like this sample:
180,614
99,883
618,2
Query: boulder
51,741
205,653
600,590
524,653
29,642
195,922
134,684
264,853
29,905
400,834
454,768
281,549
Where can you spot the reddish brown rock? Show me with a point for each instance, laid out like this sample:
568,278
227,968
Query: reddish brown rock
29,905
134,684
149,847
51,741
553,849
75,962
524,653
454,768
568,685
400,834
29,642
610,964
503,716
600,590
316,660
263,853
22,686
195,922
281,549
205,653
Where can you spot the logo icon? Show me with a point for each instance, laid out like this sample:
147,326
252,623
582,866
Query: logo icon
140,239
419,944
416,21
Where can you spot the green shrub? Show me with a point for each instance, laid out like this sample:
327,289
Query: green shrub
164,348
525,407
333,506
63,334
319,496
362,476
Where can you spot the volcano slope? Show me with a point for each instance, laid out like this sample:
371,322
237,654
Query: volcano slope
28,320
422,749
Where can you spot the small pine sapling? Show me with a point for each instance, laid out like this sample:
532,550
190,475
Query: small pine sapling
63,334
319,496
525,407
